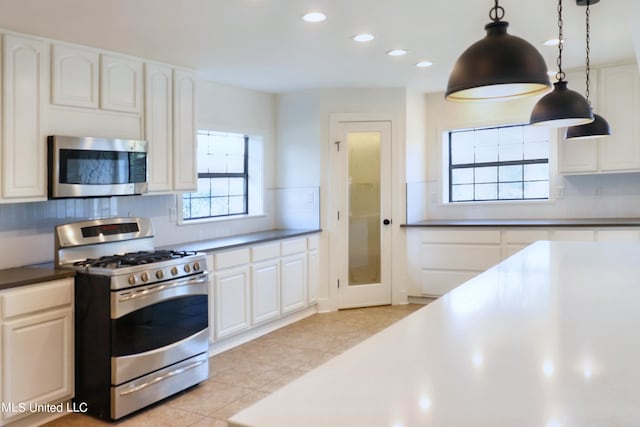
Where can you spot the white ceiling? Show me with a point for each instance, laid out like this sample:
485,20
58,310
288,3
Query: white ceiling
264,45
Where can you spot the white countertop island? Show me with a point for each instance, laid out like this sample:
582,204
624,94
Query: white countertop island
548,338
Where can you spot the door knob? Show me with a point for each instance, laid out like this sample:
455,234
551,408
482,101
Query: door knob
386,221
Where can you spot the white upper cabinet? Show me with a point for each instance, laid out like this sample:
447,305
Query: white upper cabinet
184,131
579,156
620,95
75,76
50,87
618,98
25,74
121,84
158,125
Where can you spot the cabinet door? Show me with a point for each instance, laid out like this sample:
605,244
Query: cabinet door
294,282
231,301
618,104
75,76
212,293
575,157
158,124
265,296
121,84
312,266
37,356
184,131
26,85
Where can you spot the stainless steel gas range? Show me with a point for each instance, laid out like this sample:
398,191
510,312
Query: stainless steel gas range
141,315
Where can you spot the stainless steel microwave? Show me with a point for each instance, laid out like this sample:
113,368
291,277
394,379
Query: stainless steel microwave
96,167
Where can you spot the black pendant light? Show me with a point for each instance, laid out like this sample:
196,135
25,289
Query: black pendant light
562,107
599,127
498,67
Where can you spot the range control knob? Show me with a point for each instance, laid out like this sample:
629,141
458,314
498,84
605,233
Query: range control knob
144,276
187,268
196,266
159,274
174,270
132,280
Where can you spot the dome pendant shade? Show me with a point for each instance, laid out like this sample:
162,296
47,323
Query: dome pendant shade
562,107
598,128
498,67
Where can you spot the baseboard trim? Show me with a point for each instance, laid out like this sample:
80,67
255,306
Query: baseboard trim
260,330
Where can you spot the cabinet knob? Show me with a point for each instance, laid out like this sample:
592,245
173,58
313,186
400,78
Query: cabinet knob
386,221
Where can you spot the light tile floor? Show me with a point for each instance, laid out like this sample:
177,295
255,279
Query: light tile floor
243,375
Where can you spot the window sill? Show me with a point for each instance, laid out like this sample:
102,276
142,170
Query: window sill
499,202
220,219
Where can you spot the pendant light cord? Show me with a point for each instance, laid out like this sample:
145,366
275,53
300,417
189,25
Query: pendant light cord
588,65
497,12
560,74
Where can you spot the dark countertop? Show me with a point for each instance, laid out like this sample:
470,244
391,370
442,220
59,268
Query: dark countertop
569,222
22,276
243,239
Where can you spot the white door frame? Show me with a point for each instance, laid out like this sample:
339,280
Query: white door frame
398,204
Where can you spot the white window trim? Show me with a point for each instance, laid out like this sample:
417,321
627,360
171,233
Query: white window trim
255,198
443,173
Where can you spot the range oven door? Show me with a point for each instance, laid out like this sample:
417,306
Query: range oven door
159,341
157,325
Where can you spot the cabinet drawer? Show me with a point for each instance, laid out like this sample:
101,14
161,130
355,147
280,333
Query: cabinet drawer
37,297
231,258
461,236
459,257
262,252
526,236
294,246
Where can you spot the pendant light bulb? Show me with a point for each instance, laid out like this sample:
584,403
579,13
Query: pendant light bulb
562,107
599,127
499,67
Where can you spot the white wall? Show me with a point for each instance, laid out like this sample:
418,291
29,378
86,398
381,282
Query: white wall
599,196
304,146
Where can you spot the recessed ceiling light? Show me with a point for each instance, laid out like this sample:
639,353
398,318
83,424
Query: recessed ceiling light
552,42
552,73
364,37
397,52
424,64
314,17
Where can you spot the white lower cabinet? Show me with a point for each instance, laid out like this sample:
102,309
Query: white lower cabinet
37,347
265,291
231,301
294,282
257,284
312,276
451,256
212,299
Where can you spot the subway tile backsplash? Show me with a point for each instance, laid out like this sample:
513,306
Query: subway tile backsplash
26,229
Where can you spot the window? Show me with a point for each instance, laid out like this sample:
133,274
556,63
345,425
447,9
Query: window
499,163
223,177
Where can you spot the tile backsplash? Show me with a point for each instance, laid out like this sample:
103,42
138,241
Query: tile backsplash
26,229
582,196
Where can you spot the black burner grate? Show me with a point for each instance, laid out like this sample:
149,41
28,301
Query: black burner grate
133,258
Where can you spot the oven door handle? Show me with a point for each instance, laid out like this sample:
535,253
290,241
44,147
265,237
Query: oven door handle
159,288
162,378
